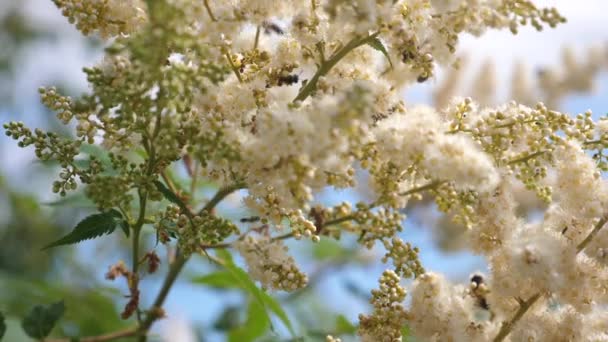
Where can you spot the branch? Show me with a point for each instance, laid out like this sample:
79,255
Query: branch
331,222
156,311
421,188
206,3
220,195
506,327
311,85
526,157
106,337
592,234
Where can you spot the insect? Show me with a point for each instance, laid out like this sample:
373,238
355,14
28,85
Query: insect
250,219
288,79
422,78
479,291
270,27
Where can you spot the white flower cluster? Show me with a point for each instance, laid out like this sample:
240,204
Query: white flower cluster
288,98
442,155
443,312
107,17
269,263
389,315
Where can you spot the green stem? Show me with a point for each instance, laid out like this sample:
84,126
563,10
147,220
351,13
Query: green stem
592,234
220,195
328,223
526,157
131,332
155,312
156,309
506,327
311,85
206,2
257,37
421,188
233,67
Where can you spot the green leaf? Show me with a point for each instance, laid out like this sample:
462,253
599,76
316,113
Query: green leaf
228,319
406,334
344,326
91,227
219,279
224,255
41,319
171,197
262,297
276,308
74,200
255,325
2,326
97,152
328,249
377,44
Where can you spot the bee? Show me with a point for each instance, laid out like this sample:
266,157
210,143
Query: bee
250,219
422,78
288,80
270,27
479,291
407,55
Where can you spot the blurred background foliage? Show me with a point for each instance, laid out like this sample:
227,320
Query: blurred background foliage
208,304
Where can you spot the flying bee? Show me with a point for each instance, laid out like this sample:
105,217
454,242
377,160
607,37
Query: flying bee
479,290
288,79
270,27
250,219
422,77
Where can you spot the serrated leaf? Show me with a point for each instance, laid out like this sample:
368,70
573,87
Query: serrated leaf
2,326
255,325
219,279
344,326
171,197
41,319
91,227
377,44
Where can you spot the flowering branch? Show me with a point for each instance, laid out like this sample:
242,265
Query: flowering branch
311,85
506,327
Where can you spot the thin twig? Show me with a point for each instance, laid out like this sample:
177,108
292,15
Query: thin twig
156,312
506,327
311,85
206,2
220,195
592,234
257,37
100,338
421,188
328,223
233,67
526,157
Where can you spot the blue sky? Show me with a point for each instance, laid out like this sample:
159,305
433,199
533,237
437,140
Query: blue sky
63,59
